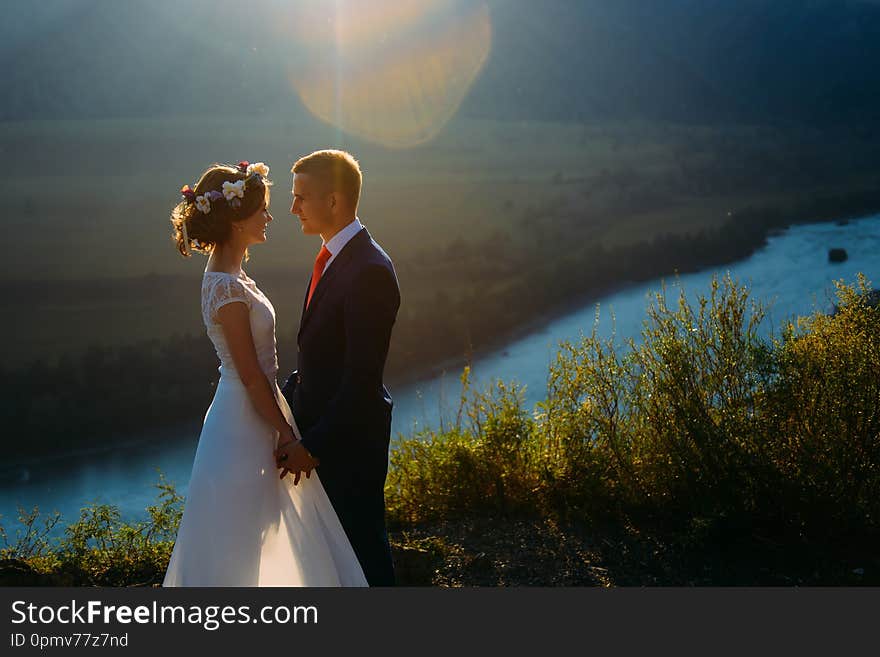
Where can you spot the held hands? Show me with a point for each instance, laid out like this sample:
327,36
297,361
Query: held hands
292,456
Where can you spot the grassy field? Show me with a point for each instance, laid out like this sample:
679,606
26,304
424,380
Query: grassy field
88,201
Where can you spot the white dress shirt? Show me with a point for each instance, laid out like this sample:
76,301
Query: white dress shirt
340,239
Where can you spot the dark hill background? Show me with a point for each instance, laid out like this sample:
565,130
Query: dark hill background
704,61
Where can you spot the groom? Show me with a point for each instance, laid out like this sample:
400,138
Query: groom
336,393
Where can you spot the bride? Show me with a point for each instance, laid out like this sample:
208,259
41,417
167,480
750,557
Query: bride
243,524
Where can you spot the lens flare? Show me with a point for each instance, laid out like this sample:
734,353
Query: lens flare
389,71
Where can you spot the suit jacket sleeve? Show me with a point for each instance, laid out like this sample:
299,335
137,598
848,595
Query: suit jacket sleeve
370,309
289,387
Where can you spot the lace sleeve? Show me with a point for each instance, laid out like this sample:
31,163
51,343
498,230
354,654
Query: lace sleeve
224,290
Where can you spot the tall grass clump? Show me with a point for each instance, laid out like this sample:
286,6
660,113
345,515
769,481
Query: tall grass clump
99,548
487,459
585,430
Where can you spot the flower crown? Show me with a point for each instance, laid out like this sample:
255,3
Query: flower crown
233,192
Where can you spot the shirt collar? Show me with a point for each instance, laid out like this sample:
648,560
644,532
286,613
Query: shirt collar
342,238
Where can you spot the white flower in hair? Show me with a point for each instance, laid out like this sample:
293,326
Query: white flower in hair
258,167
203,204
232,190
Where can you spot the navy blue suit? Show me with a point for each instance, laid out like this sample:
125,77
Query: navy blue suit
341,406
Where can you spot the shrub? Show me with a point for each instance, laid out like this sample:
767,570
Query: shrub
702,421
100,549
700,373
824,416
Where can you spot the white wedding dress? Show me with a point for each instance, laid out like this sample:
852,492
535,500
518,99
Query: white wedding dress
242,525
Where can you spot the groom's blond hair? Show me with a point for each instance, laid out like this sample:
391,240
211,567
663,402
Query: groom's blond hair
338,169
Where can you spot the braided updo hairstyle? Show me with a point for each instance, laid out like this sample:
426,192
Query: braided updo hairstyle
207,230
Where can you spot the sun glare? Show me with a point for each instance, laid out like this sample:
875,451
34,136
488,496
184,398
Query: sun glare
389,71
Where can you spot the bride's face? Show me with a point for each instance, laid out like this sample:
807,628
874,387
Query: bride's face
253,229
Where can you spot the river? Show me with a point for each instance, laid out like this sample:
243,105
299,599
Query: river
791,273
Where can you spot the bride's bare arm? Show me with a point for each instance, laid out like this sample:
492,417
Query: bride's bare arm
235,321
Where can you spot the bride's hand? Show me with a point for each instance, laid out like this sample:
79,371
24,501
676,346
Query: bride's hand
295,459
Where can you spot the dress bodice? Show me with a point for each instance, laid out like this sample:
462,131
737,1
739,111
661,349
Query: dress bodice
219,289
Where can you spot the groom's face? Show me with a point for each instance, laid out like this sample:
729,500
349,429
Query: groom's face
311,203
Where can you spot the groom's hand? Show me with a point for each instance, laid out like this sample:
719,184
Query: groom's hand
294,457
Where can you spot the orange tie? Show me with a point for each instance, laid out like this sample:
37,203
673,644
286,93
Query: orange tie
320,262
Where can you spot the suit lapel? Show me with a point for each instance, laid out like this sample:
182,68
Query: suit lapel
305,299
338,264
